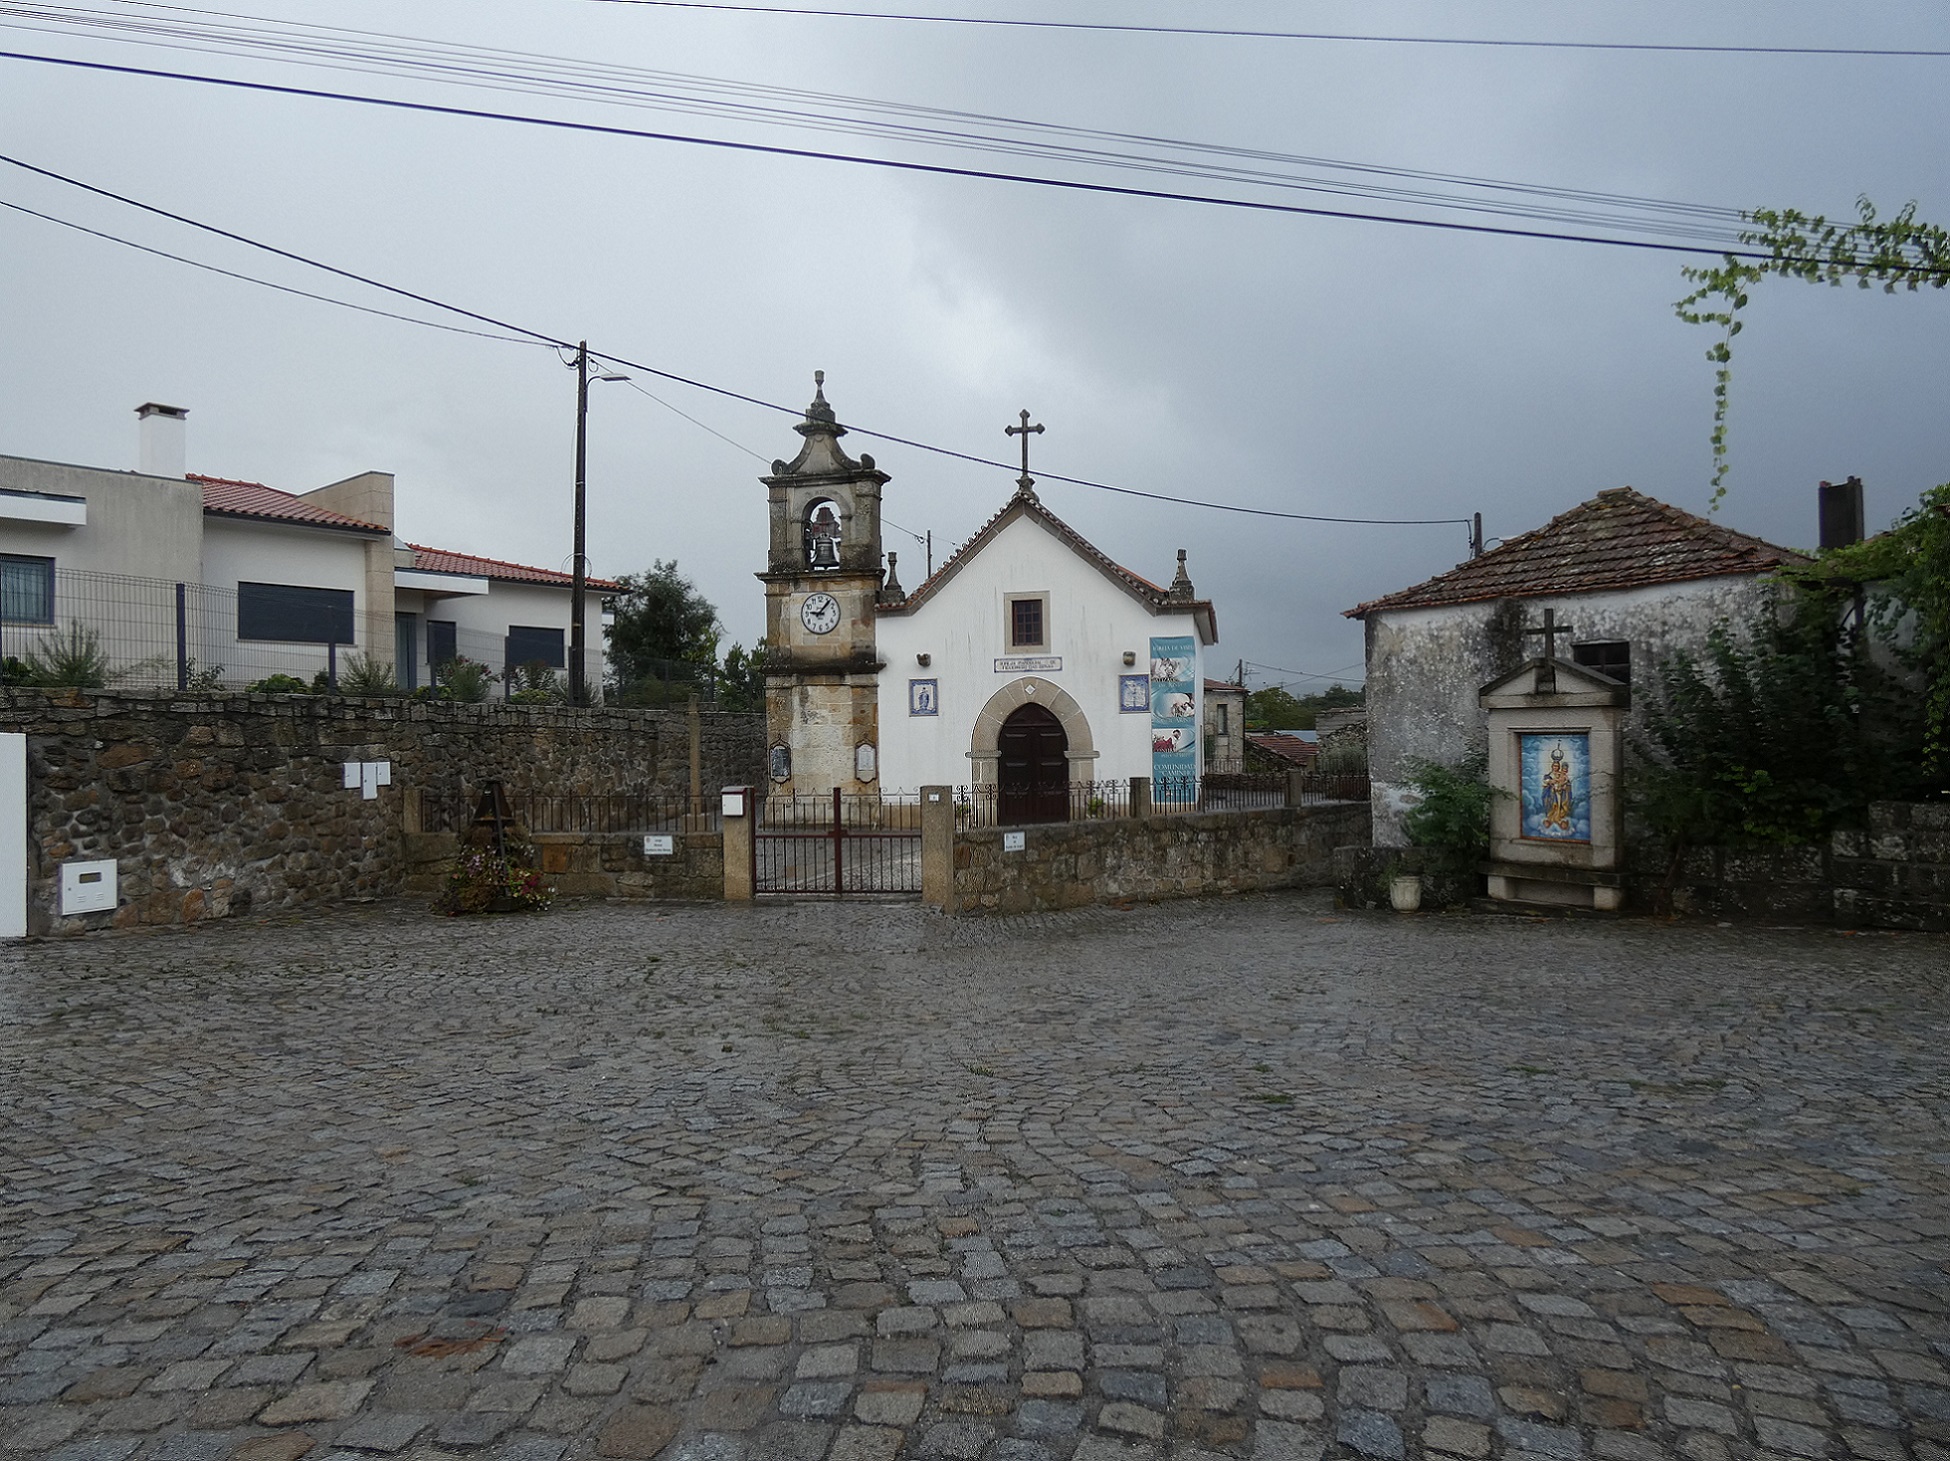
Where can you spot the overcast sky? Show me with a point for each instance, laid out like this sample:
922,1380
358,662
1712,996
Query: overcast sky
1305,364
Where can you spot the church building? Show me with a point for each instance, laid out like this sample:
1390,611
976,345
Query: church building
1027,661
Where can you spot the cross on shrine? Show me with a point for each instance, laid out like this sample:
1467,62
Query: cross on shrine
1548,633
1547,671
1025,482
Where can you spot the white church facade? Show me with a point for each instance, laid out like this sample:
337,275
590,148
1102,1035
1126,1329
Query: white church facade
1029,661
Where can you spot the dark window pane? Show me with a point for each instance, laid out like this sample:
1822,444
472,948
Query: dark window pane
291,615
1026,621
1611,657
26,589
442,641
526,645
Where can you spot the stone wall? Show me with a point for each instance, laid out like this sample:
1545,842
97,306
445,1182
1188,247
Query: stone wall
224,804
590,865
1067,864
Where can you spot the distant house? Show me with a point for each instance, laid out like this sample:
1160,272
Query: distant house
1225,728
1281,750
243,580
1632,578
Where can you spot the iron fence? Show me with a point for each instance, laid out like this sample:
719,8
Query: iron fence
452,810
992,805
838,843
111,630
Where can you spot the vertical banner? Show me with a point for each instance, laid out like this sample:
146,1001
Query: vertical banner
1174,719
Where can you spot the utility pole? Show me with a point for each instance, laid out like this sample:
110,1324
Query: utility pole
1476,535
579,571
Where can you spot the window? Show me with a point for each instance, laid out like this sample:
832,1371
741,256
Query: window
1607,656
26,589
1029,621
442,642
527,644
291,615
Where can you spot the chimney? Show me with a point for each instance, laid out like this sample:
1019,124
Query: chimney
1841,514
162,430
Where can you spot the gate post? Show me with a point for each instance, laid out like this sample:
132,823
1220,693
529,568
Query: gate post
1296,787
740,846
1140,796
938,847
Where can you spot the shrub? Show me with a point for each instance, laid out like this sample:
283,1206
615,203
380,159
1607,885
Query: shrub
1452,817
73,659
364,674
202,680
536,684
464,679
278,685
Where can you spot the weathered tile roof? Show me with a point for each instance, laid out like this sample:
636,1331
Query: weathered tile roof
1619,539
439,560
228,497
1288,748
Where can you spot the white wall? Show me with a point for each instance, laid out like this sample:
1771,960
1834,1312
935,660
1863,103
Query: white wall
1425,666
964,628
146,527
482,620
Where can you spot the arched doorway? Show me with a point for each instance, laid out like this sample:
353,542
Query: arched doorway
1033,766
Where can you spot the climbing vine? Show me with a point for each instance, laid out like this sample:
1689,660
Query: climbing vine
1896,252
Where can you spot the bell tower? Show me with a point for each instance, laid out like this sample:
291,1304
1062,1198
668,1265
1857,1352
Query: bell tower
822,576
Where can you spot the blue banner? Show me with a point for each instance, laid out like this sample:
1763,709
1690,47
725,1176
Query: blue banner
1174,718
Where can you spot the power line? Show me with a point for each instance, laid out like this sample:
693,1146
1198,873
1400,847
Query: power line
1254,205
1231,33
491,68
265,283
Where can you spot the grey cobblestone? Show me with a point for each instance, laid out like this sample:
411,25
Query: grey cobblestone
855,1183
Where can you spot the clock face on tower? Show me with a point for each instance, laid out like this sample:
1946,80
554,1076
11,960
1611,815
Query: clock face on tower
820,613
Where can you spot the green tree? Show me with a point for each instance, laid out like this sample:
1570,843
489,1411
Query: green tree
1276,708
741,681
660,621
1893,252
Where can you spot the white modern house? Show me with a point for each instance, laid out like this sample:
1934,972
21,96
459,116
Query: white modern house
176,574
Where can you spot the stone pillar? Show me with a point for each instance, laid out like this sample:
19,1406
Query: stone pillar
1296,787
1140,796
740,823
938,847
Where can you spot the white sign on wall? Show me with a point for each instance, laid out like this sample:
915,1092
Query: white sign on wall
87,887
1012,842
659,845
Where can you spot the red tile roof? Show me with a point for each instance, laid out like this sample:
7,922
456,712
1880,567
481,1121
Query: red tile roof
439,560
1619,539
227,497
1211,685
1287,748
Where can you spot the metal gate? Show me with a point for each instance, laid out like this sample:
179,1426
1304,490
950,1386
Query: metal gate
837,844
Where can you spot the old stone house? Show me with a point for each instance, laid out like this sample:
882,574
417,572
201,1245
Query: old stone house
1632,579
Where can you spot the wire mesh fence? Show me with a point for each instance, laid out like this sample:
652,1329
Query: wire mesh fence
75,627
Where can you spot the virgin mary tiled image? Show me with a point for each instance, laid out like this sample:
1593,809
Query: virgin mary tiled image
1556,780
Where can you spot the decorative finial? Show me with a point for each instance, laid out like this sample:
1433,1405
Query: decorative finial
819,379
819,413
1181,586
891,591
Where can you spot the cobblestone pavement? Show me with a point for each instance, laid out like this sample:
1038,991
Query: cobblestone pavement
1238,1179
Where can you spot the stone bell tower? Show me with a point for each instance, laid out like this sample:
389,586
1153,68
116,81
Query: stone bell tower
822,575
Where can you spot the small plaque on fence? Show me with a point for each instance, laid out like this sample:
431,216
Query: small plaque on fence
664,846
1012,841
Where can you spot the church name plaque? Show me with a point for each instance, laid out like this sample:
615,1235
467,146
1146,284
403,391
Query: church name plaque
1023,664
656,846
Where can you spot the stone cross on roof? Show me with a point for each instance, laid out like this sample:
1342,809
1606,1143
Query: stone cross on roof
1546,673
1025,484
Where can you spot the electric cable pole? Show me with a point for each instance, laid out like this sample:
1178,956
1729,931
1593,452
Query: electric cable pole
579,570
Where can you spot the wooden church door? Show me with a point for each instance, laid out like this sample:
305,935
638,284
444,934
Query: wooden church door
1034,773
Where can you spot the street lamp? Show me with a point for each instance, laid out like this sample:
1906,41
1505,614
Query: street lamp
579,571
